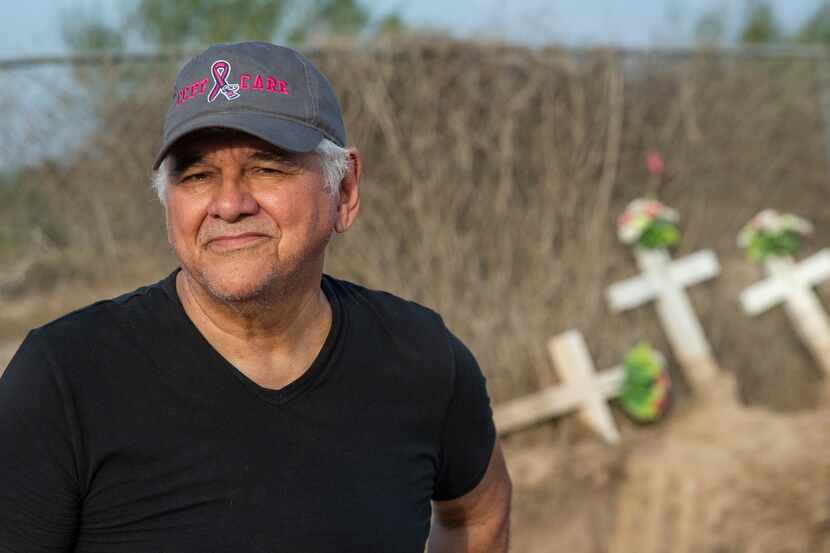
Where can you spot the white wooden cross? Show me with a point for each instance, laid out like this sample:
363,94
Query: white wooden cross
665,280
792,283
583,391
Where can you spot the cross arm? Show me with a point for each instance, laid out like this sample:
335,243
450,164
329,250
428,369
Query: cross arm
630,293
815,269
761,296
695,268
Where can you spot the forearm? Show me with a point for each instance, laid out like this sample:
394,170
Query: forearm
487,536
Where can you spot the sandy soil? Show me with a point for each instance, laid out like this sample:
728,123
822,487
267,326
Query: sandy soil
7,349
716,477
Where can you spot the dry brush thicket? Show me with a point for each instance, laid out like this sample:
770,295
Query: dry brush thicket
493,176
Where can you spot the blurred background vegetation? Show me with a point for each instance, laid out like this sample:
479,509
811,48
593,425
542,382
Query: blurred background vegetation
190,24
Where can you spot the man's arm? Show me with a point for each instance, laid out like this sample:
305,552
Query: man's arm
479,521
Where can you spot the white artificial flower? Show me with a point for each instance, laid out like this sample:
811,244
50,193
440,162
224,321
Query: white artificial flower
768,220
637,206
796,224
638,215
629,233
746,235
669,214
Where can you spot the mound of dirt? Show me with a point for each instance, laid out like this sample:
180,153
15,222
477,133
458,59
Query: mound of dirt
717,477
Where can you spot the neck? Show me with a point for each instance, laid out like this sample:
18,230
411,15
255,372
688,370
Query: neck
274,327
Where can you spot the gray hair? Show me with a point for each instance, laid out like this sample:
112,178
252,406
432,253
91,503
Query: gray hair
334,162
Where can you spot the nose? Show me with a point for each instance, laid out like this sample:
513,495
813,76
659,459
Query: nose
232,200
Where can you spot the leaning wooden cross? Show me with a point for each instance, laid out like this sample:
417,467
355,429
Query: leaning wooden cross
789,282
582,390
664,280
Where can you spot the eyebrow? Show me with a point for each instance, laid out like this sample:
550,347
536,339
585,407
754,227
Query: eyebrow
274,156
184,160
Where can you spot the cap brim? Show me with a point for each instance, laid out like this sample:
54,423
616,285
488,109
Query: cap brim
282,133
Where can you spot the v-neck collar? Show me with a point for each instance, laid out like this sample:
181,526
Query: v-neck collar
279,396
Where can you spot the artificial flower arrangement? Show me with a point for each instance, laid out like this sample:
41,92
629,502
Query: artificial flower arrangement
773,234
646,390
648,224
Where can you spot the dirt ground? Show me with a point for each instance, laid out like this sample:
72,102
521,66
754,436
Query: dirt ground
715,477
6,351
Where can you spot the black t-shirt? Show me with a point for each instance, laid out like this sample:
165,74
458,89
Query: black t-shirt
123,430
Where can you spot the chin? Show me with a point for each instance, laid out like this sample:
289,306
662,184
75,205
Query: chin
238,283
237,292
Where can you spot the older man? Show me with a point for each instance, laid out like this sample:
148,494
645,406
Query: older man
248,402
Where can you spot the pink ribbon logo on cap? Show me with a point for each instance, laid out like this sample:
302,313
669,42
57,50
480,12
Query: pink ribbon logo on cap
220,70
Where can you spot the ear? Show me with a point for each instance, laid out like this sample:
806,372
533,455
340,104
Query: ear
348,201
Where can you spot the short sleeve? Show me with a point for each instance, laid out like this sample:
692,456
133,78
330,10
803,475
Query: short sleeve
469,433
39,498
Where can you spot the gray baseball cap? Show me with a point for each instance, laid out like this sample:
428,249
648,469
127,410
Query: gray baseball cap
269,91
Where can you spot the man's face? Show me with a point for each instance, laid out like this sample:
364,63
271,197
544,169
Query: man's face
244,217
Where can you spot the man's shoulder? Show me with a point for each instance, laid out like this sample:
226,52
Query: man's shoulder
410,328
101,318
385,305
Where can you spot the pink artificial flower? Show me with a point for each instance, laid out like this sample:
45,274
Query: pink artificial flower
653,208
654,163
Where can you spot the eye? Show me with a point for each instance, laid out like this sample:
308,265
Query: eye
266,170
276,167
194,177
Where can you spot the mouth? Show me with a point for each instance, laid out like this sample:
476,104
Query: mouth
235,241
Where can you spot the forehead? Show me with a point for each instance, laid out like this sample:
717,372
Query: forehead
203,143
203,146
